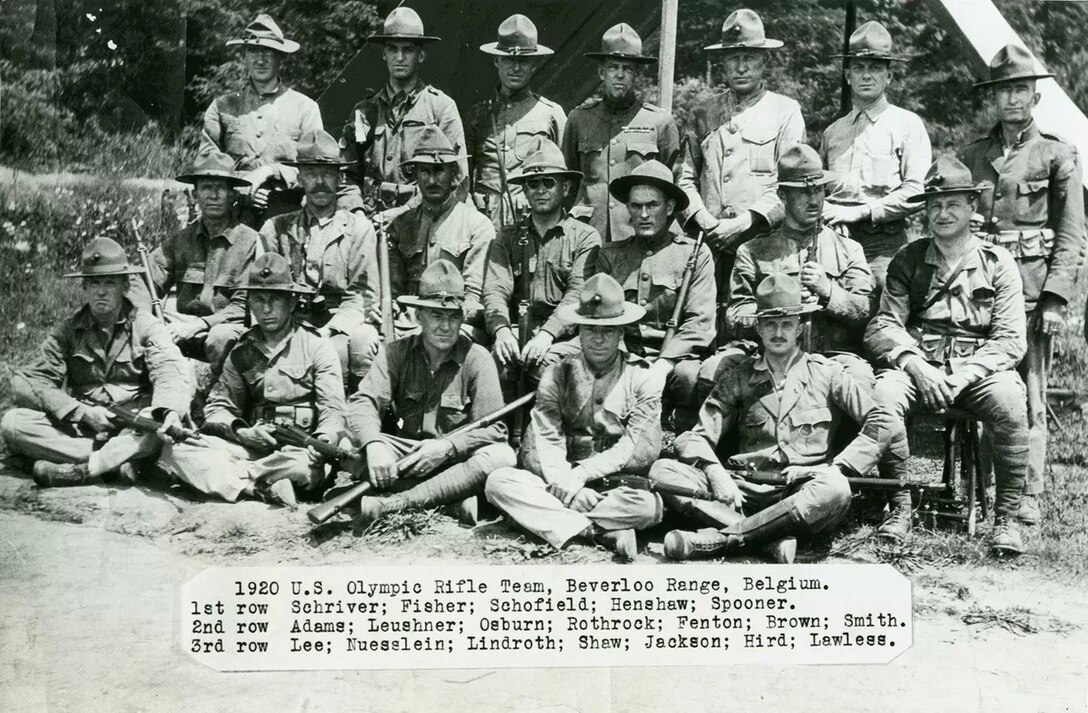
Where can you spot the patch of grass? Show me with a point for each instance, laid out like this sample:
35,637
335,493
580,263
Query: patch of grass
1016,619
401,526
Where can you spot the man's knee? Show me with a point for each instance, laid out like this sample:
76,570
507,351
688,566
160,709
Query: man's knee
667,470
362,347
680,385
1002,402
10,424
858,369
221,338
493,457
834,488
500,481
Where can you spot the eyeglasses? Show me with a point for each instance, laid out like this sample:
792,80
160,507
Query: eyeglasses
547,182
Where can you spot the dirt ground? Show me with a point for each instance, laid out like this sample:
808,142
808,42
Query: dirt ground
89,582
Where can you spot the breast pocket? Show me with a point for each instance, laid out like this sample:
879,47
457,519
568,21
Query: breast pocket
1031,201
664,288
810,431
789,264
880,171
759,143
528,138
757,428
289,384
554,278
591,154
639,152
83,370
453,411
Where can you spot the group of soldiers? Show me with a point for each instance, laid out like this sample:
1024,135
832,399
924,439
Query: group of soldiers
753,294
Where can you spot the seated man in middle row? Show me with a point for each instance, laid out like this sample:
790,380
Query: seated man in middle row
784,407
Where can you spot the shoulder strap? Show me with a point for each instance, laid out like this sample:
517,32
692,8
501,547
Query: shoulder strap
944,288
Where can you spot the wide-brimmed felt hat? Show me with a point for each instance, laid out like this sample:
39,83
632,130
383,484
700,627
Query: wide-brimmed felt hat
317,148
272,272
871,41
743,30
433,147
779,295
601,303
517,38
799,166
405,24
264,32
622,42
103,257
1013,63
441,286
213,164
651,173
948,175
547,160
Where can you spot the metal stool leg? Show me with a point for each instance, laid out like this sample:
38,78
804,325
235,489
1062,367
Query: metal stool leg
970,471
980,475
948,473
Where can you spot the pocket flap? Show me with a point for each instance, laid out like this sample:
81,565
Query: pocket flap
1025,187
667,280
756,416
532,128
642,148
589,146
454,400
295,372
758,135
810,416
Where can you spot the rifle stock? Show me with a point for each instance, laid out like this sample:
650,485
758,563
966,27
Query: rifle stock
682,294
326,510
384,278
133,420
156,303
517,428
295,436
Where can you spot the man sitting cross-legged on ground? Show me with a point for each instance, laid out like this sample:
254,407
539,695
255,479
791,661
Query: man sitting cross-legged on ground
597,413
434,381
281,372
109,351
786,406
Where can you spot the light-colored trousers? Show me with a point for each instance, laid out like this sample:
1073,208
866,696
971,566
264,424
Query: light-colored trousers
33,434
216,466
524,497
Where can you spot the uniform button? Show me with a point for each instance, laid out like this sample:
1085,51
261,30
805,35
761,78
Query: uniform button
599,400
997,196
649,253
726,179
611,204
613,141
645,277
642,302
612,162
389,157
259,132
729,152
260,116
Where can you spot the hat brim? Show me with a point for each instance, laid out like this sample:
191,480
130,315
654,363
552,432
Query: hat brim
788,311
520,177
230,178
286,46
129,270
881,56
421,39
851,199
431,160
631,314
828,177
638,58
621,187
293,289
304,162
766,44
413,301
1006,80
921,197
492,48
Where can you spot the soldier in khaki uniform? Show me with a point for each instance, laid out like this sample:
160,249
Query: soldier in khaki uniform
502,131
650,266
204,265
879,151
381,130
440,228
608,136
562,253
951,323
333,251
434,381
1036,211
597,413
785,406
260,126
109,351
281,372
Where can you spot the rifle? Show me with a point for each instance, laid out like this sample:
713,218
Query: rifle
640,482
682,294
517,428
770,477
156,303
500,147
291,435
722,280
133,420
383,277
190,204
810,253
321,513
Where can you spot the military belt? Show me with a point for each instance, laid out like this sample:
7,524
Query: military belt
305,417
1023,244
939,348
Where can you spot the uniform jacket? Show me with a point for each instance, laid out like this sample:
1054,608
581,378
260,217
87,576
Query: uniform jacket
794,426
1037,206
456,232
205,269
605,142
462,389
303,371
337,257
559,263
840,326
136,363
978,327
651,274
731,156
260,129
605,424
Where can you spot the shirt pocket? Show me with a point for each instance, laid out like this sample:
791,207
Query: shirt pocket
664,287
759,142
289,384
788,264
972,303
82,369
640,151
810,431
129,366
554,278
880,172
757,429
1031,202
528,138
591,154
453,411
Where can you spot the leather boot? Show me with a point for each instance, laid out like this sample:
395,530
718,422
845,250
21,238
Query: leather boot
778,522
897,524
622,542
282,492
685,545
1005,539
1029,510
466,512
372,508
62,475
713,513
782,551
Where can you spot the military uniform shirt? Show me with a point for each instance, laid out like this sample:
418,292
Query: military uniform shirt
429,404
135,361
1037,205
978,327
840,325
731,156
606,424
651,274
605,142
302,371
559,262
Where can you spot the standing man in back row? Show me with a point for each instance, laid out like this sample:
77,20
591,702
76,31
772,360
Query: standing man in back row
880,152
1036,211
609,136
502,131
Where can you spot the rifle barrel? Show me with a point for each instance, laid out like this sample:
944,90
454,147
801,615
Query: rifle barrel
682,294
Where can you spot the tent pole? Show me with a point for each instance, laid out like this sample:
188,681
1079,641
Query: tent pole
667,60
